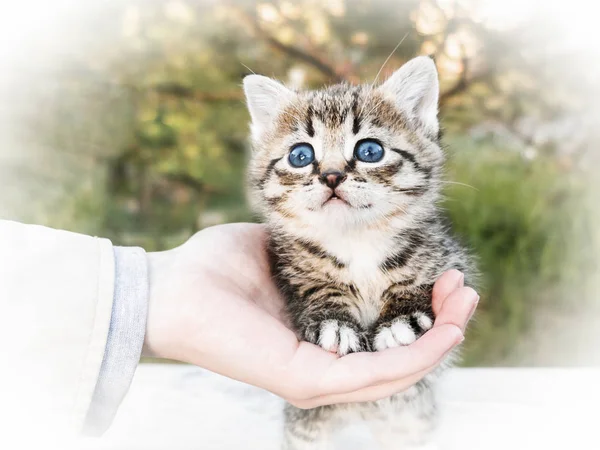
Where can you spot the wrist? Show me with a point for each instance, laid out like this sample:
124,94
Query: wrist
155,340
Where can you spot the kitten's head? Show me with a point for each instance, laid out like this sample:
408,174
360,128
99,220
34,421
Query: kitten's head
346,156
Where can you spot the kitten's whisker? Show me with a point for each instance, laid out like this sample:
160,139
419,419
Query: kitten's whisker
377,105
371,87
368,89
388,58
248,68
459,184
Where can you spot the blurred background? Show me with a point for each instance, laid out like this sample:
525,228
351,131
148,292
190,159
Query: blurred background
126,119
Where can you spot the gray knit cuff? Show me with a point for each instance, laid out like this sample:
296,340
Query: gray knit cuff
125,338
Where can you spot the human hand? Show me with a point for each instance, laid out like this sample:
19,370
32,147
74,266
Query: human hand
213,304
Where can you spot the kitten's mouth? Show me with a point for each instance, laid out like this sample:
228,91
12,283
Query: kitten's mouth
335,198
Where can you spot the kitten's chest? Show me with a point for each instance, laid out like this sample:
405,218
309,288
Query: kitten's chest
363,259
370,285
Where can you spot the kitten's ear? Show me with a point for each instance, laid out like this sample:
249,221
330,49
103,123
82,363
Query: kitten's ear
415,90
265,98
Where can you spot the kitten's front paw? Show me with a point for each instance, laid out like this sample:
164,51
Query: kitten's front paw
337,336
403,330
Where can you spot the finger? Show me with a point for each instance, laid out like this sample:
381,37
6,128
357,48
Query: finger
360,370
458,308
367,394
448,282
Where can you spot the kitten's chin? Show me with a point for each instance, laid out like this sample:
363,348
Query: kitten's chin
338,214
336,202
344,215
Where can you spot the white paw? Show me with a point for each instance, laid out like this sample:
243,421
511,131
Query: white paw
400,332
338,338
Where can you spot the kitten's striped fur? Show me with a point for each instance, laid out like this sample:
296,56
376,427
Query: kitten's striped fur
357,274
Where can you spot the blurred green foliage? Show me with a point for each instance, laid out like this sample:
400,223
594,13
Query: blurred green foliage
525,222
148,122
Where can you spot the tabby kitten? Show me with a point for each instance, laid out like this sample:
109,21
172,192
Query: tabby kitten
348,179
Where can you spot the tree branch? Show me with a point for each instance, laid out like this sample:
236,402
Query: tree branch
294,52
464,83
461,85
312,60
191,182
178,90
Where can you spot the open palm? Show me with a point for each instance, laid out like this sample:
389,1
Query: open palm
213,304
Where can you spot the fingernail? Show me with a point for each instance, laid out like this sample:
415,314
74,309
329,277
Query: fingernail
460,336
461,280
473,308
459,339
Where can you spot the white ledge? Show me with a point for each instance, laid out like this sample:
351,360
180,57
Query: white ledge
182,407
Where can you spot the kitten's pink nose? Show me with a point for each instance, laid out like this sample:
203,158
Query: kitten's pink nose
332,178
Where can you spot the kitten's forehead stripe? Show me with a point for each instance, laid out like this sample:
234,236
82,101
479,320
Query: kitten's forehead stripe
334,104
356,120
355,124
310,129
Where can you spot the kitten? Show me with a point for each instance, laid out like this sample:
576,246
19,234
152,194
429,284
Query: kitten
348,179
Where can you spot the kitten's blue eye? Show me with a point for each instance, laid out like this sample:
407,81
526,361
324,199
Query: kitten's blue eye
368,151
302,155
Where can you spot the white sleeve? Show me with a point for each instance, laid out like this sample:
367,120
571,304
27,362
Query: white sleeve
56,297
125,338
